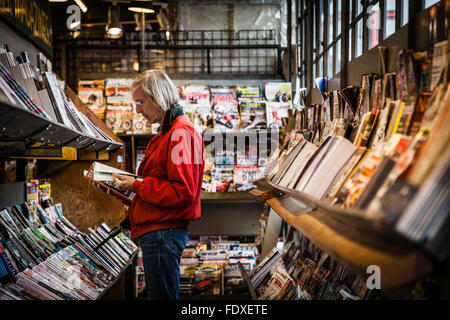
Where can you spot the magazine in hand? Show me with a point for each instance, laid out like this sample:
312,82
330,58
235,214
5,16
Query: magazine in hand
101,175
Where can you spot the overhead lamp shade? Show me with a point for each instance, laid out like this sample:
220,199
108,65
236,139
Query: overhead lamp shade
141,6
114,27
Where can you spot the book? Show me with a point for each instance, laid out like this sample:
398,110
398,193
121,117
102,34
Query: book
226,117
199,97
277,115
222,95
18,93
279,92
439,63
54,91
253,115
326,166
119,109
91,92
101,175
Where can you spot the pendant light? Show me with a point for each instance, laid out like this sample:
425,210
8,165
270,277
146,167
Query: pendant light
141,6
114,28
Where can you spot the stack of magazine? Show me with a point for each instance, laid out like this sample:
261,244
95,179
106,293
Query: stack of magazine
42,93
44,256
385,153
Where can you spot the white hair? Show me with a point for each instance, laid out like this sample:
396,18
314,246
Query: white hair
159,87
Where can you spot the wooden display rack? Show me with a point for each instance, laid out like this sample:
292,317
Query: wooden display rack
353,240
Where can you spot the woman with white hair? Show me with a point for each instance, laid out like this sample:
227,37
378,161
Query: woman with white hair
169,195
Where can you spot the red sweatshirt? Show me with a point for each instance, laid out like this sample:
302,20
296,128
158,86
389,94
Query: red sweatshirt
169,195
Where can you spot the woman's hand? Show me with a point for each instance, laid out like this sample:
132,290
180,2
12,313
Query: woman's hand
123,182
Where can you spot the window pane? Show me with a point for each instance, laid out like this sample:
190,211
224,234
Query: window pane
389,8
330,20
350,42
405,12
373,24
351,10
304,40
315,27
339,17
322,25
359,8
338,57
429,3
321,67
330,56
359,38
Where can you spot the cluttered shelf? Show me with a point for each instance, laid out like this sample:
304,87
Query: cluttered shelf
348,234
364,174
129,264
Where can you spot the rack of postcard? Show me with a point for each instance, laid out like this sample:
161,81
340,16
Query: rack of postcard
377,159
36,110
43,256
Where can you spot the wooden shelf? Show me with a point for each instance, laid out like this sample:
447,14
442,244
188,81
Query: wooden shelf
128,135
399,263
226,196
347,235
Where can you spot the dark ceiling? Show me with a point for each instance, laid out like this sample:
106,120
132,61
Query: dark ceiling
94,20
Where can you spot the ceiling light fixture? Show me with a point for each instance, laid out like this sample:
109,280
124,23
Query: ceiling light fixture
141,7
81,5
114,28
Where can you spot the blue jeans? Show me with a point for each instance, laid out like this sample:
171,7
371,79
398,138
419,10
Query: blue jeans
161,254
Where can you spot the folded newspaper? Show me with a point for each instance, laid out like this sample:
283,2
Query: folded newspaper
101,175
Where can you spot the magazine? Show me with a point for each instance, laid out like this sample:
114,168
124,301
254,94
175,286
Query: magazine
101,175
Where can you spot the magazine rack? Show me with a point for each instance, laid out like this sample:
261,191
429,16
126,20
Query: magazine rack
19,125
350,237
125,271
247,281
